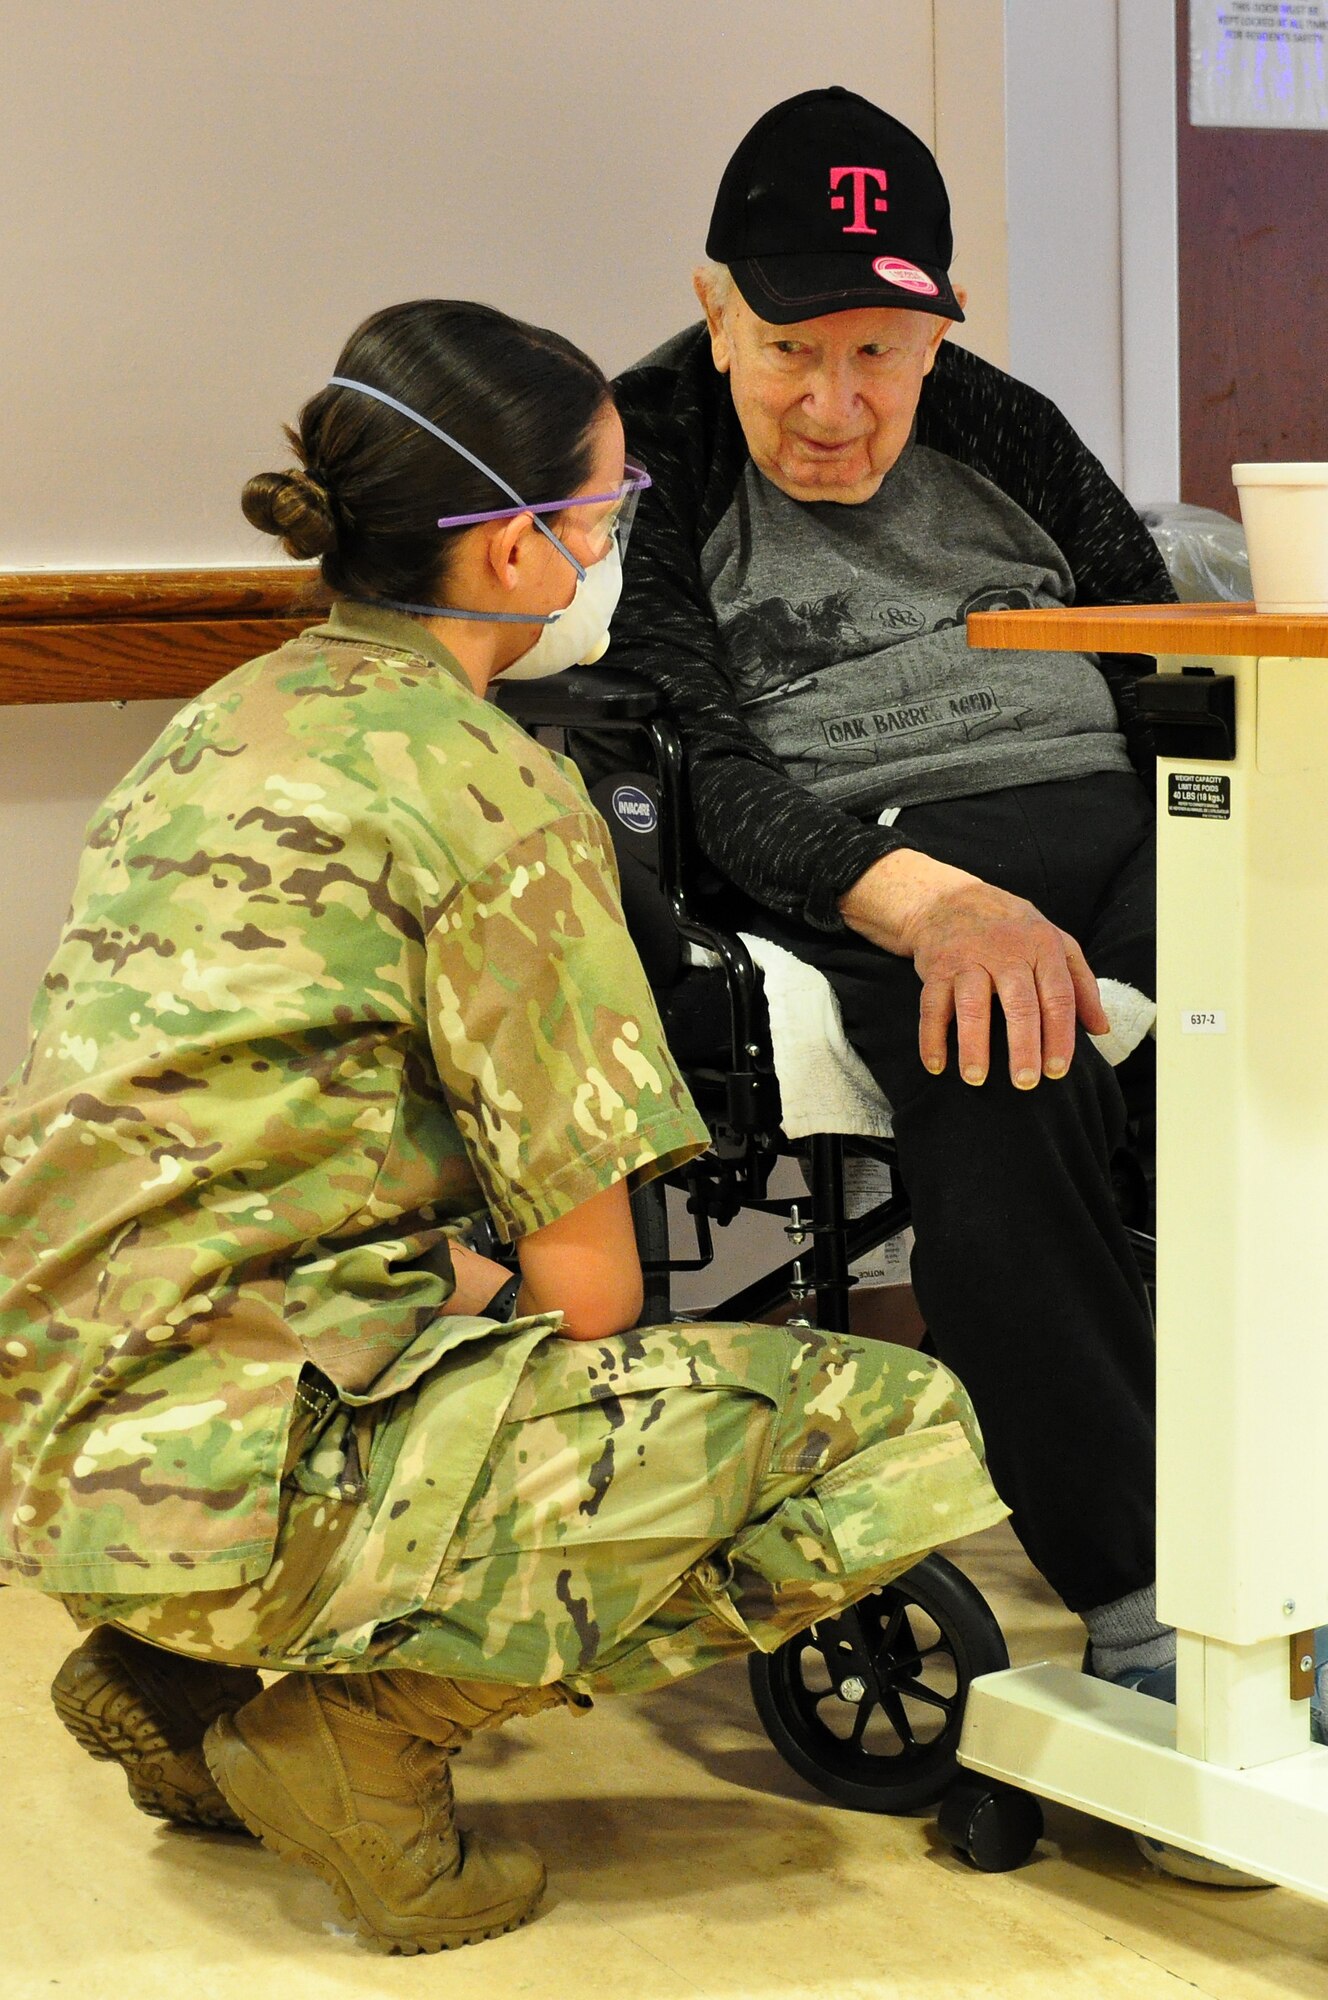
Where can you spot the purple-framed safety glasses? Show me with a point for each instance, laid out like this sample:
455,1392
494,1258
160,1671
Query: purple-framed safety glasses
617,522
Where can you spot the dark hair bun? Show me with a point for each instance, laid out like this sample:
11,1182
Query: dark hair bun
294,506
372,484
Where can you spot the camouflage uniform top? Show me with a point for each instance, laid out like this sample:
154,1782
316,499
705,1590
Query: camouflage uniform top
345,964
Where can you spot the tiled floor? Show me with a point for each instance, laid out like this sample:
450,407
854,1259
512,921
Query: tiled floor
685,1860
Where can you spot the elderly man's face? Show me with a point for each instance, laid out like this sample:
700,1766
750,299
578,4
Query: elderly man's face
826,405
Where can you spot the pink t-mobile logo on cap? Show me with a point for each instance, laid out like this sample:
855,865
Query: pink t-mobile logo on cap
859,177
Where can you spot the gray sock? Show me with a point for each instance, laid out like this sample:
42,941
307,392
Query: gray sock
1126,1635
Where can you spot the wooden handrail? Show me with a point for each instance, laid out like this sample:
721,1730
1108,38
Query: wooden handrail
141,596
140,635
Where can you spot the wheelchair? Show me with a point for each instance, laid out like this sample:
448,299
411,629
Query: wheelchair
866,1706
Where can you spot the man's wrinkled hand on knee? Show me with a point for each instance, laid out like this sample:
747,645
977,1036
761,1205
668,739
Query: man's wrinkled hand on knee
970,943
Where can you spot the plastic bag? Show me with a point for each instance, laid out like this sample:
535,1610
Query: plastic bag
1204,551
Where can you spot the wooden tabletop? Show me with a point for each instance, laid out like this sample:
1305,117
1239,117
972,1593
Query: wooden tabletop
1222,629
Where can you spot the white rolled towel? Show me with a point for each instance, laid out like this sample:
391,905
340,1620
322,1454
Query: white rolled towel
825,1086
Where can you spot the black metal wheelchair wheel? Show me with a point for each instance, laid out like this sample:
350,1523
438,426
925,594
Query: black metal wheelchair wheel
868,1705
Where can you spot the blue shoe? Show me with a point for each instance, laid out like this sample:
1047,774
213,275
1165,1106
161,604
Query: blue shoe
1160,1682
1177,1862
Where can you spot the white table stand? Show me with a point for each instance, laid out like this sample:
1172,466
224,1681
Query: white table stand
1242,1337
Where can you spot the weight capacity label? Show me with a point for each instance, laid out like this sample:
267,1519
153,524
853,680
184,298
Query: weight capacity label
1198,795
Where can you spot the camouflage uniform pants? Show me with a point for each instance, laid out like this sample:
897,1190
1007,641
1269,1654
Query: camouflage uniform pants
649,1505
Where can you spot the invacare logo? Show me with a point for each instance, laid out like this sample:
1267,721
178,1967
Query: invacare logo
635,808
898,271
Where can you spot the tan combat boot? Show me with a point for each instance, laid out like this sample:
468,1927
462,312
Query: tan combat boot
135,1705
350,1774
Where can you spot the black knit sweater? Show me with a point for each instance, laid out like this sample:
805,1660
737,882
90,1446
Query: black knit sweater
784,848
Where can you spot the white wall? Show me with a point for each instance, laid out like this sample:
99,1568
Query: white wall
55,764
215,195
1150,251
210,198
1091,201
969,59
1062,182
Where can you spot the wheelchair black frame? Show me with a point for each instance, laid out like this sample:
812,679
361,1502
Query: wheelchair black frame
741,1101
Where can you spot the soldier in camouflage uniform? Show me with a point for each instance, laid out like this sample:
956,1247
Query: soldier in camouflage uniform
346,968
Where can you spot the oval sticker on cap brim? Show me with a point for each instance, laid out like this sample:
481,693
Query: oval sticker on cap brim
898,271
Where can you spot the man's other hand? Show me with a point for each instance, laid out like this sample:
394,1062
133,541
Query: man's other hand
970,941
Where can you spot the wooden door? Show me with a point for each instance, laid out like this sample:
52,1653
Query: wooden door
1253,215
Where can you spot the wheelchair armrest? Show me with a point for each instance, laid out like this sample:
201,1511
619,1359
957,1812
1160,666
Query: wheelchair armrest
579,699
743,982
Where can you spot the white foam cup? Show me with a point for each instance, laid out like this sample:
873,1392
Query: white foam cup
1285,511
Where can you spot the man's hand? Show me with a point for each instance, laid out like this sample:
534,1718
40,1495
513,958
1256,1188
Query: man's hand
968,941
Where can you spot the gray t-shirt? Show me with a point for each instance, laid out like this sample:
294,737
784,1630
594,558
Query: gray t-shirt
845,630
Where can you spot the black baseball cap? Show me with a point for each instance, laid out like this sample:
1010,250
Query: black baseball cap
829,203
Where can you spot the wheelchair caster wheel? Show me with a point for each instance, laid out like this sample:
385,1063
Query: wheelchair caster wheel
994,1827
868,1705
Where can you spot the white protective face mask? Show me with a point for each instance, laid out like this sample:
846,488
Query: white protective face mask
578,636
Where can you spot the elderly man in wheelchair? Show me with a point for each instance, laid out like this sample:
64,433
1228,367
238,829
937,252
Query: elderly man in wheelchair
958,841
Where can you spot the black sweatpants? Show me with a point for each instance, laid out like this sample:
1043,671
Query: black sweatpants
1021,1266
